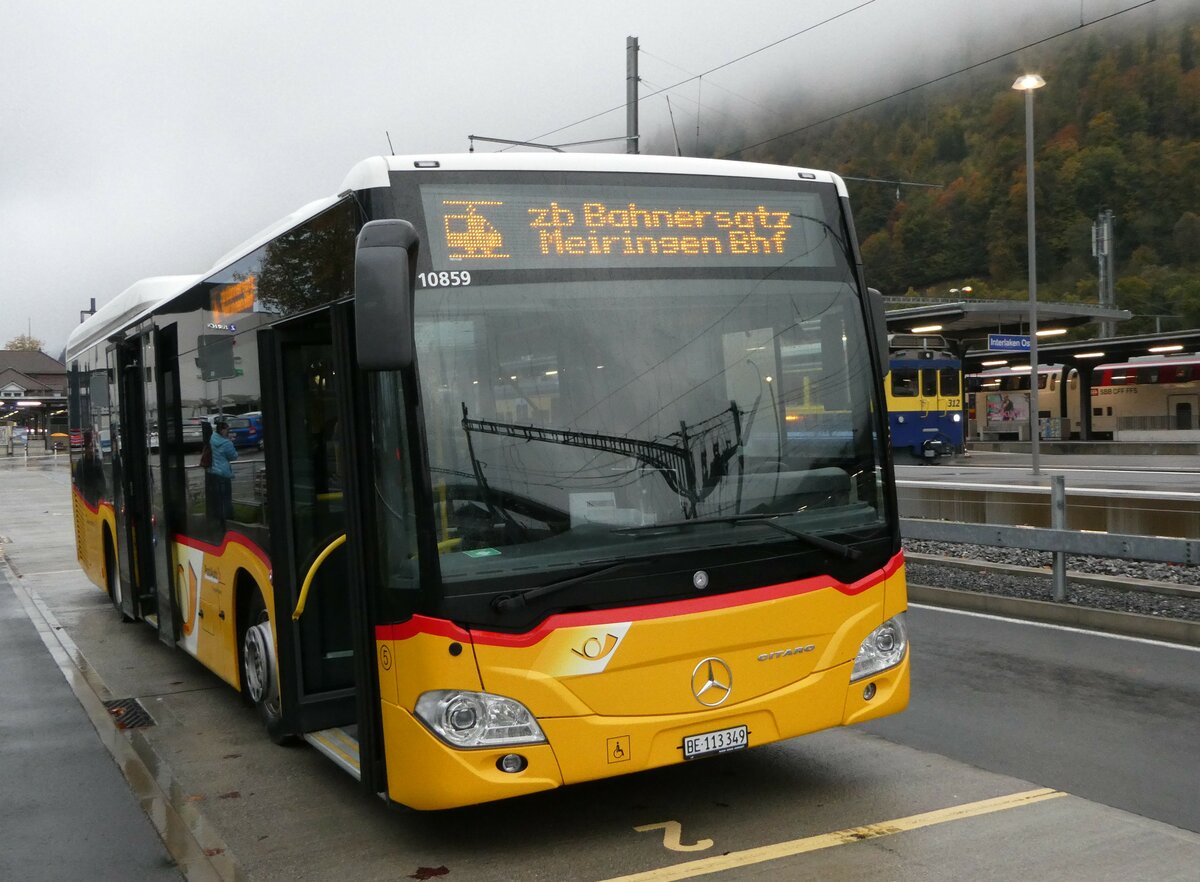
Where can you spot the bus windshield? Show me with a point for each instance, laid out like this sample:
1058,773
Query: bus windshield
568,412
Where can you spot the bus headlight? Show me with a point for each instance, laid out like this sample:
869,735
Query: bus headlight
884,648
477,719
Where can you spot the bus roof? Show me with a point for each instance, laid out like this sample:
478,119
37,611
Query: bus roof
136,301
142,297
373,172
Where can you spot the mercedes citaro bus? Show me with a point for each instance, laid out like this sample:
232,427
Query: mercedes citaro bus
534,505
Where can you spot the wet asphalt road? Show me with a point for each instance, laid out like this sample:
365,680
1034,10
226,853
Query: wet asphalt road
998,711
1113,720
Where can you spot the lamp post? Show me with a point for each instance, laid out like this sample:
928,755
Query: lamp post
1027,84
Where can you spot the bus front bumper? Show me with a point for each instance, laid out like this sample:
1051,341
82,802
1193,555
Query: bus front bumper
424,773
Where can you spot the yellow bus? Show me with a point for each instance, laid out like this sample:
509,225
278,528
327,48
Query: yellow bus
524,507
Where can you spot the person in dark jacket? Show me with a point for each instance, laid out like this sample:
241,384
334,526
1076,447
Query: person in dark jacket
220,476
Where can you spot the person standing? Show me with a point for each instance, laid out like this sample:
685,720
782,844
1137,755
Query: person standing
220,472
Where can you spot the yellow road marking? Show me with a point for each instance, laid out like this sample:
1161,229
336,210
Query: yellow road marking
673,836
764,853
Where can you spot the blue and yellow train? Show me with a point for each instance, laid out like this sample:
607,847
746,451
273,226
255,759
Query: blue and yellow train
924,396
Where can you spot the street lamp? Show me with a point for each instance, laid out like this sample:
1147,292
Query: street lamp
1027,84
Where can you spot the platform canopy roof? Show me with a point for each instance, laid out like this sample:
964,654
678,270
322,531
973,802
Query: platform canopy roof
967,324
1097,350
970,321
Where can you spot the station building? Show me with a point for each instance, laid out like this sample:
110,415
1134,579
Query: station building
33,397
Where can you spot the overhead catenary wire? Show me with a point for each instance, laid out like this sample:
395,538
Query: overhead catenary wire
726,64
697,77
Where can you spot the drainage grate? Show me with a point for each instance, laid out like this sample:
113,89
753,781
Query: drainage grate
128,713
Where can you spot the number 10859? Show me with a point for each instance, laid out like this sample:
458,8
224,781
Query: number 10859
444,279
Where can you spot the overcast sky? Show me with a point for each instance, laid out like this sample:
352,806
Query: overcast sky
149,137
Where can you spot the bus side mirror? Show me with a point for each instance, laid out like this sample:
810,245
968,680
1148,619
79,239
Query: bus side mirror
385,262
879,331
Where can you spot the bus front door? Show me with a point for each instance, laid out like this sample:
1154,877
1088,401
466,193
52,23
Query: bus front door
308,400
135,595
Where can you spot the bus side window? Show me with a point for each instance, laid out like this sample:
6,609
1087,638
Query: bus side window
904,382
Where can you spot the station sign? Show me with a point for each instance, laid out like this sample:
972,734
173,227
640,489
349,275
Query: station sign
1008,342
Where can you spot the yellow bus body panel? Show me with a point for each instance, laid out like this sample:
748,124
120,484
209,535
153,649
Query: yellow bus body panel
206,578
615,695
90,525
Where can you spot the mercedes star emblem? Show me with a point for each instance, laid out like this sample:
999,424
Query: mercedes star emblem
712,681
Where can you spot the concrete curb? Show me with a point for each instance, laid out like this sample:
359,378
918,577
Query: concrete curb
1125,624
199,852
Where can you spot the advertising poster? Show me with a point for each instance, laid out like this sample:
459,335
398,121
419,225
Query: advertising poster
1007,407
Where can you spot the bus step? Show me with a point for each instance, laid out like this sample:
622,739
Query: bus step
340,746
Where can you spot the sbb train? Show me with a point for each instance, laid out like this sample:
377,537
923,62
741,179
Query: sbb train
1151,397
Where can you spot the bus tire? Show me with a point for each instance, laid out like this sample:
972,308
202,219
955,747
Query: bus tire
112,577
260,669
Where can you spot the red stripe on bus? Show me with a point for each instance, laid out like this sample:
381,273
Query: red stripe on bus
219,551
94,509
668,609
422,625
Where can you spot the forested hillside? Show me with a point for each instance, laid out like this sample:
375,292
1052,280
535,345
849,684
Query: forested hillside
1117,127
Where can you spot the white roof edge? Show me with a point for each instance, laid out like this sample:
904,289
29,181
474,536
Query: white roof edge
266,234
840,184
130,305
373,172
366,175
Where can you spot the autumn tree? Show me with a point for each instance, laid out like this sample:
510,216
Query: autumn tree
24,343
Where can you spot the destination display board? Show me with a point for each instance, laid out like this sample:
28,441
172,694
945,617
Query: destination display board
489,227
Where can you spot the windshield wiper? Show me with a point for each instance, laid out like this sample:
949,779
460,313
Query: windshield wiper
772,521
509,602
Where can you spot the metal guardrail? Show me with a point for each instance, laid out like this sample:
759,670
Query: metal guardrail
1102,492
1057,539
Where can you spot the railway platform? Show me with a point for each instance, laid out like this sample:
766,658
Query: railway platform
78,802
67,812
1091,448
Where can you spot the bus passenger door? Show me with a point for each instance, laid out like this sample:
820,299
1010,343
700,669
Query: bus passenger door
307,390
136,597
168,501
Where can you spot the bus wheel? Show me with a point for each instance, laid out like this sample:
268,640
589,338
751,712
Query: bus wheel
260,670
112,579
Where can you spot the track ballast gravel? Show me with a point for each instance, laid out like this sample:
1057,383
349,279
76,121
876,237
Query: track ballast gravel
1039,587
